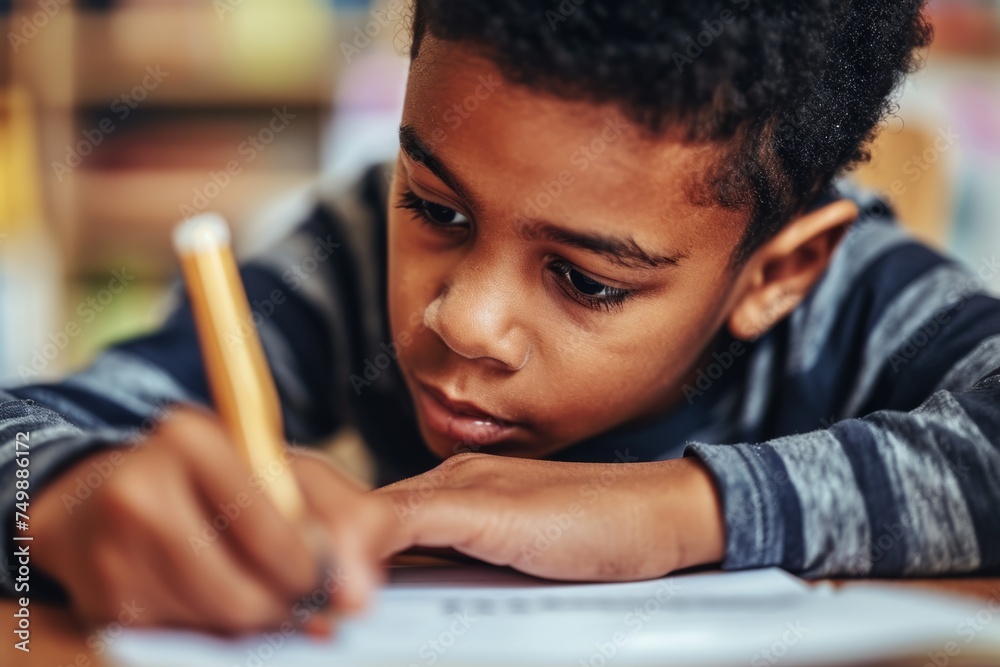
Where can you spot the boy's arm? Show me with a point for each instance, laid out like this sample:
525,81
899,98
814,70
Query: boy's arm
122,395
894,493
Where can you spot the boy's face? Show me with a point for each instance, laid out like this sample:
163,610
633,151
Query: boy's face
548,277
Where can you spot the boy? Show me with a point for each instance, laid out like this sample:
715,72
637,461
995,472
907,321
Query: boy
611,284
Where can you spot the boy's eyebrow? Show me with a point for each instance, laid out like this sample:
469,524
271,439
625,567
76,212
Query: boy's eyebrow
621,250
411,144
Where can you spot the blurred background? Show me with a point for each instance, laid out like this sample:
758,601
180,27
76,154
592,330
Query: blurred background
120,117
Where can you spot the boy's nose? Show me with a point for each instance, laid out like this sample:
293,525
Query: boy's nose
479,322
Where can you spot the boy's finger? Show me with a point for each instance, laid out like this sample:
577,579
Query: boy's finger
141,600
238,505
353,571
437,520
151,601
206,574
220,592
356,527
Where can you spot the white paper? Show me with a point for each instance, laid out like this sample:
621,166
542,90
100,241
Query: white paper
438,617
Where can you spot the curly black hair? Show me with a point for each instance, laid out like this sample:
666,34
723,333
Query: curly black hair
792,90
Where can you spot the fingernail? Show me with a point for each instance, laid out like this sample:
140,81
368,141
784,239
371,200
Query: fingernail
325,563
320,626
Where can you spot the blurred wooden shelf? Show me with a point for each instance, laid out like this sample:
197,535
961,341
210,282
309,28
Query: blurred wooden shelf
967,30
182,86
257,55
130,214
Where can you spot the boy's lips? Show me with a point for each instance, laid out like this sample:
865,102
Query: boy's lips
462,421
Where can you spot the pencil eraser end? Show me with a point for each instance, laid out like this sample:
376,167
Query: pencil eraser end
207,231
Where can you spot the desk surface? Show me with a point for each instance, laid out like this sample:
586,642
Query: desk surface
58,640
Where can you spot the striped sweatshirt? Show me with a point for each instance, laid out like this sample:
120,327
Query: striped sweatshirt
858,436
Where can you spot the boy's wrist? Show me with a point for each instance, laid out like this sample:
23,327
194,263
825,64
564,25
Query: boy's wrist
693,507
711,548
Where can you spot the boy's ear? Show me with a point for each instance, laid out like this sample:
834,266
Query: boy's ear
781,273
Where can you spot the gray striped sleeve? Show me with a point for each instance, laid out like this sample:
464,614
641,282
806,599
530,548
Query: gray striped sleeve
911,310
809,502
837,528
53,444
974,367
131,382
941,535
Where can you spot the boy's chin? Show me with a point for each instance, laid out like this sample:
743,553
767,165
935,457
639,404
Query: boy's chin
444,447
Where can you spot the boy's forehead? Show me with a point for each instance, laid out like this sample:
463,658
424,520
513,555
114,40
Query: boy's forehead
556,159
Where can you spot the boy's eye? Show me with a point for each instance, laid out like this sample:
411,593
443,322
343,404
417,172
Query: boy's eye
587,291
436,214
442,214
584,284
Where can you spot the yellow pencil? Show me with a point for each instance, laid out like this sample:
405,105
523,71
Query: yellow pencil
238,376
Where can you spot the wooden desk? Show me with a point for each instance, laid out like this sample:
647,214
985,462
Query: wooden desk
58,640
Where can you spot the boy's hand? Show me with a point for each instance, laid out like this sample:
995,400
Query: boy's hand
582,521
183,533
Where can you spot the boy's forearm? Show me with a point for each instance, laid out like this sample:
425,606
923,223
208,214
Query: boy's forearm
573,521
